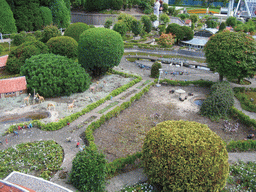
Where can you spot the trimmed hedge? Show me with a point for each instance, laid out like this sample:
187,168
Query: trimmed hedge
7,21
245,102
185,156
63,45
241,145
75,30
100,49
46,16
155,70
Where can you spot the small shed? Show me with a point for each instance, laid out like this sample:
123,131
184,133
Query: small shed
188,23
13,86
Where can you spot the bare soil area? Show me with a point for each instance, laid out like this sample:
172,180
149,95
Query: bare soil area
124,134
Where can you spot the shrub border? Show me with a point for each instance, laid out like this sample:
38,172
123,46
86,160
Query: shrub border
246,104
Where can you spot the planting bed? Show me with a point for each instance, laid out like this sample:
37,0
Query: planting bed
124,134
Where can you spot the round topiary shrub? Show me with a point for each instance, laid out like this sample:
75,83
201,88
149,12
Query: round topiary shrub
100,49
49,32
18,56
63,45
155,70
54,75
219,102
75,30
89,170
185,156
7,21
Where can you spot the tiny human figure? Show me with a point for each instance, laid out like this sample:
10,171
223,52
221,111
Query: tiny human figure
19,127
30,125
24,126
77,144
6,141
68,123
15,133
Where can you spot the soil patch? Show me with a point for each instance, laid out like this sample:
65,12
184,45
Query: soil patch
124,135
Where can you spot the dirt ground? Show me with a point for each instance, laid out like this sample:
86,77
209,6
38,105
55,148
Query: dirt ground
124,134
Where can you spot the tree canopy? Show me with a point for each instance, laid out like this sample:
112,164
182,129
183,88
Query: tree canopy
231,54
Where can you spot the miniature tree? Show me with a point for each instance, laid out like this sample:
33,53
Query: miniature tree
231,55
49,32
7,21
46,16
231,21
63,45
120,27
185,156
75,30
18,56
147,24
176,30
89,170
54,75
100,49
136,27
164,18
60,13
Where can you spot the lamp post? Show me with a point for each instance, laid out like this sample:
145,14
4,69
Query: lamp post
160,73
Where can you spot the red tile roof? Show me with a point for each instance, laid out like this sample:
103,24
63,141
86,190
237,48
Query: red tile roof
3,60
187,21
7,187
13,84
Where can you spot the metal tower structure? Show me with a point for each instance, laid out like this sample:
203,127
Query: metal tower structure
245,8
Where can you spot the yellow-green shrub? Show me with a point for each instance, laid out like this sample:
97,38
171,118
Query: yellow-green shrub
185,156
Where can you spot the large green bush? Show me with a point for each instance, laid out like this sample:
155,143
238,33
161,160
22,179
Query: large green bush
63,45
60,13
89,171
27,14
185,156
54,75
7,21
100,49
155,69
18,56
116,4
49,32
136,27
75,30
18,38
46,16
219,102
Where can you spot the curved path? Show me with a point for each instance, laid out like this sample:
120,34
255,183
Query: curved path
77,127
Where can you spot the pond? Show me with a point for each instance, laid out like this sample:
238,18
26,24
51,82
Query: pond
199,102
23,117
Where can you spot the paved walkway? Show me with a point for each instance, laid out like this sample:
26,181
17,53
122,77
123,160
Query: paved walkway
70,150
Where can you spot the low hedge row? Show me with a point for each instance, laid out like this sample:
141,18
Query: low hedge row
200,83
245,119
63,122
241,145
245,102
118,164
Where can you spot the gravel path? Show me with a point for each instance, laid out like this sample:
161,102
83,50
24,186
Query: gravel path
70,150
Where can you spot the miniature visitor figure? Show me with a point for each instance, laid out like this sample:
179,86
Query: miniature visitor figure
156,12
19,127
30,125
161,7
15,133
77,144
24,126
